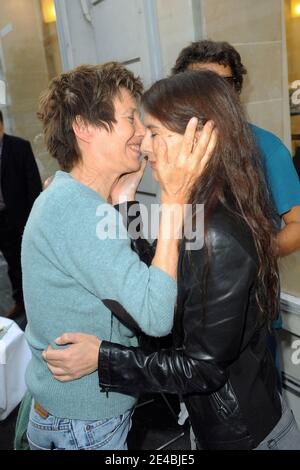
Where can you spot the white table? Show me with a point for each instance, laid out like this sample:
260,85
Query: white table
14,357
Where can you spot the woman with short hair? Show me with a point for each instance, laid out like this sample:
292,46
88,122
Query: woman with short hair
78,265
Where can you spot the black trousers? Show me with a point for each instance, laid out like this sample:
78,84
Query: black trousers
10,246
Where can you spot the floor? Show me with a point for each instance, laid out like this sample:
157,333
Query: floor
154,425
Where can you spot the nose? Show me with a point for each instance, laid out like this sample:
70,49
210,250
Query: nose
146,146
140,129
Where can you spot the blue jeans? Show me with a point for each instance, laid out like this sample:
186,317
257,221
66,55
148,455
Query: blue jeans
285,435
51,433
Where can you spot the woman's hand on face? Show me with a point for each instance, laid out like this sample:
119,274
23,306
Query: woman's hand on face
78,359
125,188
178,176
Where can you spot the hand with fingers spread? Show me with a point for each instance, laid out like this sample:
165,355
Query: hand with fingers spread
78,359
178,175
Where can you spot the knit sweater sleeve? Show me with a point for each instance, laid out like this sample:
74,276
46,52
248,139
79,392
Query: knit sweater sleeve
94,248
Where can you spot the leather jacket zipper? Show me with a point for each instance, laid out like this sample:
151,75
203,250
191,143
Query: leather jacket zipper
222,408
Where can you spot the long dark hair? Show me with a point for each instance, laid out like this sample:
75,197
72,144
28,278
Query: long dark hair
234,174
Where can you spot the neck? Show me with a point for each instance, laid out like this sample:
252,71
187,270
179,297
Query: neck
100,181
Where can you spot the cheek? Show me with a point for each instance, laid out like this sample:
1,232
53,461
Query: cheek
124,135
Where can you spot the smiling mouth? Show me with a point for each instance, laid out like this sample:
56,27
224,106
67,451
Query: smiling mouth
135,148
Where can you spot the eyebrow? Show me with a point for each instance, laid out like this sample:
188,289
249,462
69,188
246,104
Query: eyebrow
152,126
130,111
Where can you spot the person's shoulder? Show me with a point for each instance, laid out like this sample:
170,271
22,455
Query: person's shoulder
227,237
57,196
228,229
15,140
267,141
57,203
225,227
64,189
68,197
223,220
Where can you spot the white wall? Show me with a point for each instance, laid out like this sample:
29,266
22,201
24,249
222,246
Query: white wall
75,34
154,30
256,29
179,24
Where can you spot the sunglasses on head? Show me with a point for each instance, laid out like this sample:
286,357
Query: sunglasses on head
230,79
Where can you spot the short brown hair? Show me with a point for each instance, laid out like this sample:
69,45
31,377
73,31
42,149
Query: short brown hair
87,91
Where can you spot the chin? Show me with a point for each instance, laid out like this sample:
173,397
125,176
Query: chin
135,166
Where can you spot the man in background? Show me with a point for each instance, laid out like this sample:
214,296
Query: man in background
20,184
281,176
297,160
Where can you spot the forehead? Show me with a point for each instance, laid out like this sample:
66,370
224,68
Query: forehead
223,70
149,121
125,101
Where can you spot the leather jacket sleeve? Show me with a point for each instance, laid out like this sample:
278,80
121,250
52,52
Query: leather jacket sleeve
212,322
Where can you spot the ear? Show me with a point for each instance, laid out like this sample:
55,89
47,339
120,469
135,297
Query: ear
82,130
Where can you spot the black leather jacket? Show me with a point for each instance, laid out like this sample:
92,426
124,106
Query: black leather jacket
219,361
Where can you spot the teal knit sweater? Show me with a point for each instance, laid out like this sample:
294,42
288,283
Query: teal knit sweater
68,267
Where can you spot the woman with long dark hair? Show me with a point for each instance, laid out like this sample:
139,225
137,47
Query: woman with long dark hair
228,290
